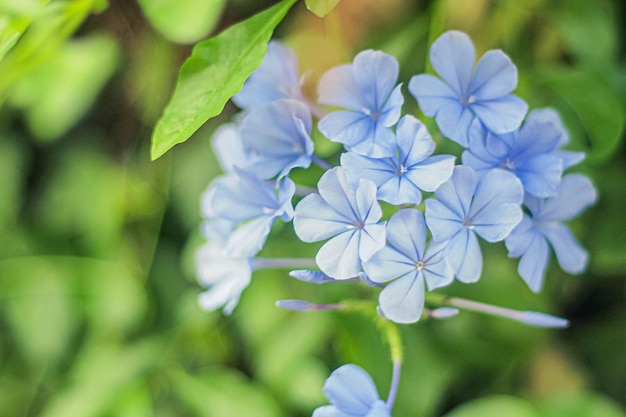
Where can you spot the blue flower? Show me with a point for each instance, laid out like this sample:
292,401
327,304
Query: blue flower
275,79
277,134
400,177
532,153
352,393
228,148
406,260
251,205
350,215
466,94
367,90
543,227
226,274
466,206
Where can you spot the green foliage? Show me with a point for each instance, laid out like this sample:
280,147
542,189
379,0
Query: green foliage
183,21
495,406
227,60
597,106
98,299
57,93
321,7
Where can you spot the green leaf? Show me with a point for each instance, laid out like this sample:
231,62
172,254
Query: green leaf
580,404
495,406
595,103
183,21
56,94
216,71
321,7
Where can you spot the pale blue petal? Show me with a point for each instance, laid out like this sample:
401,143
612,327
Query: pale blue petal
315,220
248,238
549,115
351,390
347,127
464,256
437,272
540,175
458,191
379,143
442,222
534,262
228,148
379,409
358,166
406,232
217,230
570,158
452,55
276,78
388,264
278,133
402,300
575,194
390,113
227,275
501,115
339,257
430,173
454,121
329,411
335,190
495,76
338,87
496,208
414,141
372,239
521,236
572,257
431,93
400,190
367,208
376,74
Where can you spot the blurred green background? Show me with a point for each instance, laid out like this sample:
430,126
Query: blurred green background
98,311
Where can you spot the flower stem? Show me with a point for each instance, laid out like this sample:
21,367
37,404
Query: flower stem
531,318
302,190
395,382
320,162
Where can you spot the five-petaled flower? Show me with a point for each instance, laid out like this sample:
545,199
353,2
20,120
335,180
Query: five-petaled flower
401,177
467,206
349,215
464,93
367,90
352,393
543,227
406,260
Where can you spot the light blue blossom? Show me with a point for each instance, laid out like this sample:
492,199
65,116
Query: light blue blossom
251,205
277,134
532,153
349,215
275,79
400,177
228,148
352,393
407,262
367,90
464,93
467,206
543,227
226,274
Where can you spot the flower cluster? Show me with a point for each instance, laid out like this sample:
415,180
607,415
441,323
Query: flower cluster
510,187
